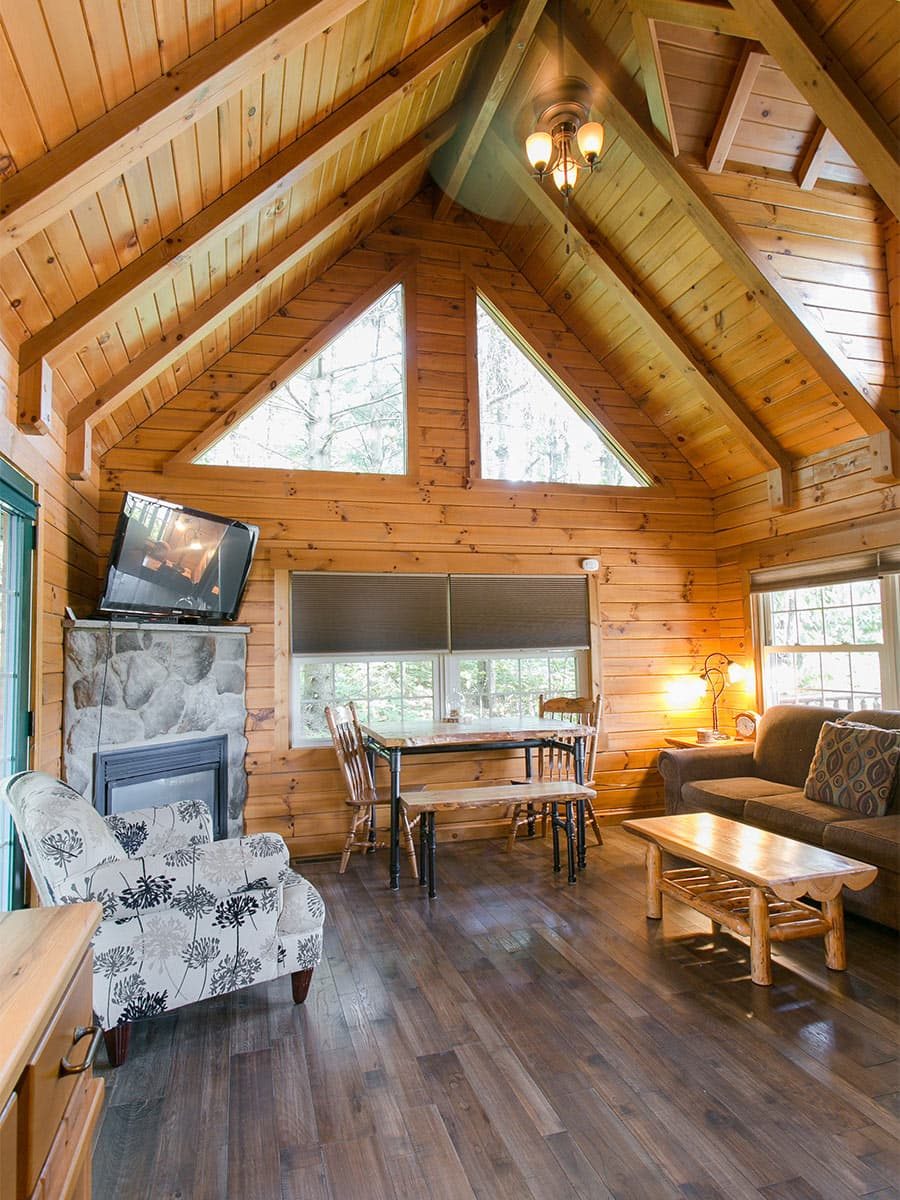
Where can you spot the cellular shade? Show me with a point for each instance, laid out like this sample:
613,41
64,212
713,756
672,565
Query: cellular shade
520,612
868,564
368,614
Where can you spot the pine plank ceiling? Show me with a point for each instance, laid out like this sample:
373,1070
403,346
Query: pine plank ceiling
133,261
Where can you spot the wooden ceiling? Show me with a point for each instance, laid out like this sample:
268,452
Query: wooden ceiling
173,173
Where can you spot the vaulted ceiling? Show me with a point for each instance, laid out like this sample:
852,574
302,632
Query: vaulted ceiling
173,174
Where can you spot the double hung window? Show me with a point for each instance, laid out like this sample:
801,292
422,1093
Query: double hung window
17,524
829,633
416,647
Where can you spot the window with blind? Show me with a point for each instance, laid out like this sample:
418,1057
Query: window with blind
830,632
407,647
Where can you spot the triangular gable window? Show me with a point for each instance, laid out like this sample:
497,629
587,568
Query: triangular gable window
343,411
533,429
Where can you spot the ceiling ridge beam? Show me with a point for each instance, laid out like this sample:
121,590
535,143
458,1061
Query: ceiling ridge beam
266,185
838,101
126,134
690,363
697,14
624,108
498,63
655,89
246,285
745,73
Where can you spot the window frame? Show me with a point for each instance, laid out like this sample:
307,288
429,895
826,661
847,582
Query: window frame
446,674
888,650
544,359
18,500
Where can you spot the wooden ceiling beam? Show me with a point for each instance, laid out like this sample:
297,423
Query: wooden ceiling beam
623,106
246,285
497,66
654,78
54,183
821,78
696,14
820,145
613,274
752,55
265,186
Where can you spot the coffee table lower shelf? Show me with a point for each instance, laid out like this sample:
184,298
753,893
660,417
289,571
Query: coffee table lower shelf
753,912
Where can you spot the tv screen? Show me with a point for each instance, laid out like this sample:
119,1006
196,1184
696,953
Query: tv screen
171,560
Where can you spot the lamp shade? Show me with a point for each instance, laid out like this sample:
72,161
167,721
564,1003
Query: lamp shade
736,672
590,140
565,174
539,148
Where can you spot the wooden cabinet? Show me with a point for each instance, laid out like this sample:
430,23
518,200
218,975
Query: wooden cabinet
49,1101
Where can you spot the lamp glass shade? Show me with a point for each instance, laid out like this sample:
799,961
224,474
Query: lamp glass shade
565,174
736,672
539,148
590,140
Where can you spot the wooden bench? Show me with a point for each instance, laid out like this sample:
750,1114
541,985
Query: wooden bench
426,803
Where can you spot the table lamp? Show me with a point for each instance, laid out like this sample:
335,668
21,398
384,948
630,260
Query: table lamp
719,669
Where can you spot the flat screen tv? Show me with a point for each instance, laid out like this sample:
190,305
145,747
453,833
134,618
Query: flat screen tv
172,561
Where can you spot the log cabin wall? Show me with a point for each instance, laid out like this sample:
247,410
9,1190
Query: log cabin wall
67,564
656,593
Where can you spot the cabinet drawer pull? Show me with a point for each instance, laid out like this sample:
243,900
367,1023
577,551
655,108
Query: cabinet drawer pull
83,1031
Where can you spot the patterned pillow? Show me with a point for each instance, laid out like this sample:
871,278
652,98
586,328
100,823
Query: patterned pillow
854,767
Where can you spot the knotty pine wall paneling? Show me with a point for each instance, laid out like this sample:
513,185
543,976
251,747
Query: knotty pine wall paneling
67,563
656,593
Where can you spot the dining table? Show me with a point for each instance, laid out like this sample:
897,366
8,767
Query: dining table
392,741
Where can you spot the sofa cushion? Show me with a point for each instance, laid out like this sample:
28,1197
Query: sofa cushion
792,815
854,767
881,719
874,840
786,741
728,796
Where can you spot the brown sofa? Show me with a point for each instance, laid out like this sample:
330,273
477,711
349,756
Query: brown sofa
761,783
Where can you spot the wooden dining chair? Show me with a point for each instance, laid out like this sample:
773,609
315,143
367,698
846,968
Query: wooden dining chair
350,747
557,766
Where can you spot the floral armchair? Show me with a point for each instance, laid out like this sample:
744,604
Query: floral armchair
184,917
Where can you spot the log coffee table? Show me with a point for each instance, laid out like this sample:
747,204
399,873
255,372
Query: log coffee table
750,881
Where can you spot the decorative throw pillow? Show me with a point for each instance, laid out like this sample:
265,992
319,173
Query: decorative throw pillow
854,767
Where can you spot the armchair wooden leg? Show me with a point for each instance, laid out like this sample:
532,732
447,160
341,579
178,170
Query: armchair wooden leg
300,981
117,1040
595,824
351,838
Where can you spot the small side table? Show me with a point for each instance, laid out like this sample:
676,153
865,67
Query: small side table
689,743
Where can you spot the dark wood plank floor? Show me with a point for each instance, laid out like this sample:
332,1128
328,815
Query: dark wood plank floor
519,1038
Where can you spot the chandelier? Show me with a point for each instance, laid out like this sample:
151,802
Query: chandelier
565,140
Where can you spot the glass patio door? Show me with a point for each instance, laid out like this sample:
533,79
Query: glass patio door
18,511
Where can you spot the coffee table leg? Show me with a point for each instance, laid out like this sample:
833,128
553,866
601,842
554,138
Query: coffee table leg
760,943
835,946
654,873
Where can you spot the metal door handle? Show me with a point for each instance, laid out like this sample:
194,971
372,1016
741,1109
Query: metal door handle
82,1031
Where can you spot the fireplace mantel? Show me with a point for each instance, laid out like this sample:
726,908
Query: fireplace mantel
155,626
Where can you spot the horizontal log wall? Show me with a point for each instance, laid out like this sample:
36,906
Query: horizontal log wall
657,589
66,558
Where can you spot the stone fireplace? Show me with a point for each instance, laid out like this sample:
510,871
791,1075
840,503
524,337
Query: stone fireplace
166,685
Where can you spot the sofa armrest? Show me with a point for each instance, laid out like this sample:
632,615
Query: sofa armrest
166,827
190,878
679,767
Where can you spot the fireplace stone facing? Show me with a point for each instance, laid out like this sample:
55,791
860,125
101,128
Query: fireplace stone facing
163,683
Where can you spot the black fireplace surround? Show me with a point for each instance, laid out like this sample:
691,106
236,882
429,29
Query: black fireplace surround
114,769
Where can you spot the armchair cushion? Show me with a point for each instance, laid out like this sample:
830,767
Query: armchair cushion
62,834
191,879
156,830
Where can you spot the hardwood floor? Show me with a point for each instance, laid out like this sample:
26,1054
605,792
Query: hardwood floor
519,1038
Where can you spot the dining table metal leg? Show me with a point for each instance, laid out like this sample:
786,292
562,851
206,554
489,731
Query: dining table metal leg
571,840
395,819
371,756
432,846
528,776
554,826
581,836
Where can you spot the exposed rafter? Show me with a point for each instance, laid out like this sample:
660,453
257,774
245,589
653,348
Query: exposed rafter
821,144
245,404
623,105
654,77
265,186
824,82
246,285
83,163
613,273
696,14
496,70
746,71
